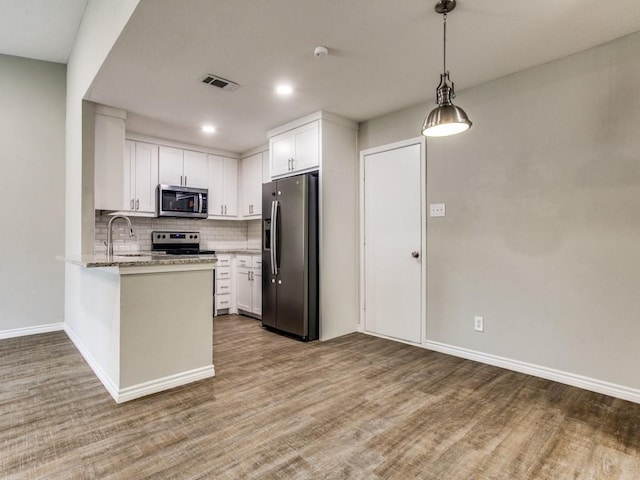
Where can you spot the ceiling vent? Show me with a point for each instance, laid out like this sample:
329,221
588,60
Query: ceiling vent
219,82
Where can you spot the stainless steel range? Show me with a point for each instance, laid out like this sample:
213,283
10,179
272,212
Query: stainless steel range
178,243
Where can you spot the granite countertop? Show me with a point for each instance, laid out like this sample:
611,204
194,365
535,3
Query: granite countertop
247,251
142,259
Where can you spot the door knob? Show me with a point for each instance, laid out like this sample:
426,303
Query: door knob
415,254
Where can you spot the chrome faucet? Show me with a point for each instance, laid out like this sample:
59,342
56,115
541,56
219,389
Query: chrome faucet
110,232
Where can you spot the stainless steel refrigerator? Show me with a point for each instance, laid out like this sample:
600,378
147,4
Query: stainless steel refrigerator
290,256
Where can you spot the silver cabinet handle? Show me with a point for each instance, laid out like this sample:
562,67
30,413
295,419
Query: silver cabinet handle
132,204
185,180
137,204
221,210
415,254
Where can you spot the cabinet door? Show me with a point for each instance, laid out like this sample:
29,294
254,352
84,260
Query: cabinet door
171,166
266,175
295,150
281,151
108,176
252,185
245,292
145,177
128,176
257,293
231,187
307,147
257,289
216,186
196,169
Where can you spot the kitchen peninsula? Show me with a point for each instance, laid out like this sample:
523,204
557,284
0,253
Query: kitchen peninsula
146,323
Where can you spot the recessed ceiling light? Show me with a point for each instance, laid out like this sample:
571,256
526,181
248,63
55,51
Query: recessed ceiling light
284,89
208,129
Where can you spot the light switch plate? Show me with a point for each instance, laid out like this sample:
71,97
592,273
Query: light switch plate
436,210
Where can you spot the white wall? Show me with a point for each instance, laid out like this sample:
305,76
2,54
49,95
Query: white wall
542,233
32,102
101,25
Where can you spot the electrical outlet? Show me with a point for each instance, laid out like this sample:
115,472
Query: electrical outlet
436,210
478,324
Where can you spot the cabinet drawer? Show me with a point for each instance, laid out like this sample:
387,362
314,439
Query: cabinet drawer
244,261
257,261
223,286
224,261
223,301
223,273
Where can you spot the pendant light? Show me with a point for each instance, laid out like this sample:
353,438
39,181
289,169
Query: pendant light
446,119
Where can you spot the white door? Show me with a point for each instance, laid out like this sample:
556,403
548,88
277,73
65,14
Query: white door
392,260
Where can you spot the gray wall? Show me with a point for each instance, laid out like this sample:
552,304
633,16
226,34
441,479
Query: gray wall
32,122
542,233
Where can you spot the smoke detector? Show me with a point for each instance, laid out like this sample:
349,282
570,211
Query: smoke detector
321,51
219,82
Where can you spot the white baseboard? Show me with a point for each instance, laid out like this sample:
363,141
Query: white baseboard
21,332
591,384
95,366
165,383
121,395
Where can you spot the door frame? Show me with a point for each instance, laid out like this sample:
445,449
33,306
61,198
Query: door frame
421,141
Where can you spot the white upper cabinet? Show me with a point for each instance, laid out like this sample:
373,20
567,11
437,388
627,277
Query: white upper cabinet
196,169
140,170
109,147
183,167
252,170
223,186
266,174
170,171
296,150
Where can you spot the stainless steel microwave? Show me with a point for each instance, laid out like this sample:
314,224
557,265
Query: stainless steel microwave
183,202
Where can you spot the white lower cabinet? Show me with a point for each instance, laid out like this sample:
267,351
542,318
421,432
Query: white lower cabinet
224,283
249,284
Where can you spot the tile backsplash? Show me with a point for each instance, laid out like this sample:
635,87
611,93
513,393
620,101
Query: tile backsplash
214,234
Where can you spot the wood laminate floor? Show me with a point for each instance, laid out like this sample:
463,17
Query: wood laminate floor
355,407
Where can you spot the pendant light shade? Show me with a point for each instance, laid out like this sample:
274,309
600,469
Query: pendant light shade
446,119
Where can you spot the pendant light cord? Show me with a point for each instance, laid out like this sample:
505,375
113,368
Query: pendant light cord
444,44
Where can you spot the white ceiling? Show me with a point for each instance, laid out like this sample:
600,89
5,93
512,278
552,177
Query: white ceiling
40,29
384,55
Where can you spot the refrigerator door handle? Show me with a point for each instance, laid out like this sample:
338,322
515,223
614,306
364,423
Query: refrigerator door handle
276,235
273,250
